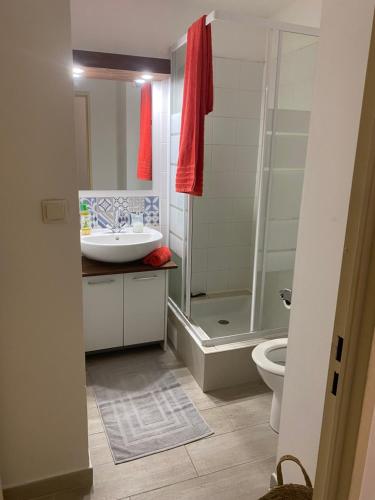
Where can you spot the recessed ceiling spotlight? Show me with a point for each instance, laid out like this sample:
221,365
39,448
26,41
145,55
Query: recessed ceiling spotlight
147,76
139,81
77,71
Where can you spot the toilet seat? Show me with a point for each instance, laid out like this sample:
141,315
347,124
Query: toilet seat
261,353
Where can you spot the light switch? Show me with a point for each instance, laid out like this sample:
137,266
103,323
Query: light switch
54,211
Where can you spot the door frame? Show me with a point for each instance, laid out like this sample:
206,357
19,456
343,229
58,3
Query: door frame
346,422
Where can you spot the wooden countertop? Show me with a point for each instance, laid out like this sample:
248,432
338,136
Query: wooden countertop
96,268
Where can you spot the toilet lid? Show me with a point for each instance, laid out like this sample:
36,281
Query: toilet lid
265,356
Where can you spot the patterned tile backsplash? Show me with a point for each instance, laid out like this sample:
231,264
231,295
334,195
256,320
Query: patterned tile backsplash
104,210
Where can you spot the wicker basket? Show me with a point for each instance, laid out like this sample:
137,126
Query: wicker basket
290,491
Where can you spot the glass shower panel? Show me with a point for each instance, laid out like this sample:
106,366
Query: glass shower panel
178,206
283,171
223,219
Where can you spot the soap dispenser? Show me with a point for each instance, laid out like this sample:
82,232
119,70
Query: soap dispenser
85,218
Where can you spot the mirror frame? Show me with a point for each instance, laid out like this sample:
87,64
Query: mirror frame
124,67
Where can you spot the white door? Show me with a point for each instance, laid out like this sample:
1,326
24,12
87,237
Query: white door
103,312
144,307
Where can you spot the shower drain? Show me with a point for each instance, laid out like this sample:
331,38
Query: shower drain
223,322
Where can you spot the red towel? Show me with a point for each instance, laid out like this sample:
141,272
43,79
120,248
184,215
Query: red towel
158,257
144,169
197,102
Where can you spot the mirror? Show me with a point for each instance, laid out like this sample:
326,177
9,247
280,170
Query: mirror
107,130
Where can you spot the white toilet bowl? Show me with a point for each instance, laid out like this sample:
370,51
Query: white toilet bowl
270,359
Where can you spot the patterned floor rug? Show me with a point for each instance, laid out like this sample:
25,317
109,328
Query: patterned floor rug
144,410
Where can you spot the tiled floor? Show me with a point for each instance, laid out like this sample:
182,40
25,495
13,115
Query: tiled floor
234,463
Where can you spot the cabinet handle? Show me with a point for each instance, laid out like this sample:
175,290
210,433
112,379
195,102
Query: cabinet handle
146,278
105,282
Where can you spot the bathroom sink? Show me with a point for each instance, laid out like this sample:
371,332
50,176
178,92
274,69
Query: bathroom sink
120,247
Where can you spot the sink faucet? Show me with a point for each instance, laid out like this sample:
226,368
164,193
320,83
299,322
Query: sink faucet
118,223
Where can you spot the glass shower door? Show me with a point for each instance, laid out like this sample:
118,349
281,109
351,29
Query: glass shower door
292,62
178,206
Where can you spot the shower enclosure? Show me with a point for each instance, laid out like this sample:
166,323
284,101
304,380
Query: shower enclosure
235,245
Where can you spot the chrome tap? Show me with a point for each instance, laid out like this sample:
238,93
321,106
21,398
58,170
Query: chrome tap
118,223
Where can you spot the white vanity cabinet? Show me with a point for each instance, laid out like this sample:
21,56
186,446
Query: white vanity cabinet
124,309
144,307
103,319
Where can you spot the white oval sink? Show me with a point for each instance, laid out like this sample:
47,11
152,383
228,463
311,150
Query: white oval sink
120,247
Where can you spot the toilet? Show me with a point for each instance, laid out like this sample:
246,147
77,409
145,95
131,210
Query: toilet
270,359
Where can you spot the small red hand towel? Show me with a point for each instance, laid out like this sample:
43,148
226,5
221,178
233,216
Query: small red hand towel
144,169
197,102
158,257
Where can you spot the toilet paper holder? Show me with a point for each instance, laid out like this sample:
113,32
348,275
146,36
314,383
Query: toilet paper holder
286,297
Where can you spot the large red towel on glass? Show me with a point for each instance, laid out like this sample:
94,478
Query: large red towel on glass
144,168
197,102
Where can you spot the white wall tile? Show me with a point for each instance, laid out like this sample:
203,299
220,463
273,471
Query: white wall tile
200,211
220,235
176,222
247,132
219,209
164,231
208,129
200,236
251,75
280,261
223,158
241,233
199,260
290,120
242,184
218,258
217,281
240,257
175,244
240,279
223,130
175,123
225,102
176,199
175,142
164,127
223,217
207,157
246,158
226,72
248,103
163,184
243,209
198,283
218,184
290,151
285,196
163,211
163,157
282,234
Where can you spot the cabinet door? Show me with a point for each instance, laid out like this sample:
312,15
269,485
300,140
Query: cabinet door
144,307
103,317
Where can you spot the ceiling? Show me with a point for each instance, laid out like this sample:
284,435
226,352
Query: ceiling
149,27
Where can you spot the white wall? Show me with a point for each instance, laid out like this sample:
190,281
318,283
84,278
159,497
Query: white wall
305,12
342,60
43,424
149,27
